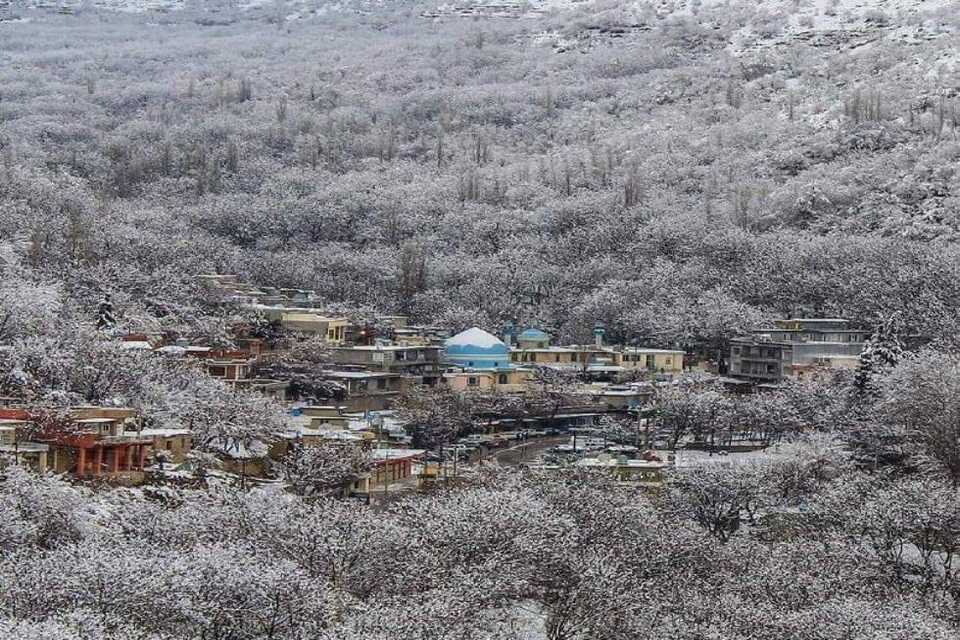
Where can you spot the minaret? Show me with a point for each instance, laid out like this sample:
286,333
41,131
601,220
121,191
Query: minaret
598,332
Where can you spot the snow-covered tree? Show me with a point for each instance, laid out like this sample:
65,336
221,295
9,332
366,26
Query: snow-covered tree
882,350
326,468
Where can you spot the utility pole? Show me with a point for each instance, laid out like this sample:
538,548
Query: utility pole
443,466
386,478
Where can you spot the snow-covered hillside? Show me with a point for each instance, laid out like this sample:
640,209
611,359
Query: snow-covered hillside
837,23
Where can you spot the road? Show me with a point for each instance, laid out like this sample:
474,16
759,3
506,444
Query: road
526,451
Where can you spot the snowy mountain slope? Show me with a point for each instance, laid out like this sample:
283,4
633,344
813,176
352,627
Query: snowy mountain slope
839,23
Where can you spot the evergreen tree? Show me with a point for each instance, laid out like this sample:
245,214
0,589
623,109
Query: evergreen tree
881,351
105,319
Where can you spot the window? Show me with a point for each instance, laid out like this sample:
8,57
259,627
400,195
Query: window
218,372
473,381
669,362
400,355
558,357
381,384
502,378
651,362
736,350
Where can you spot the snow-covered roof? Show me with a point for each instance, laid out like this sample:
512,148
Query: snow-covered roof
173,350
239,450
395,454
533,334
360,375
386,347
475,337
164,433
633,350
136,344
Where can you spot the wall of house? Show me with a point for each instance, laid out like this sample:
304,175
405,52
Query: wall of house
177,446
671,362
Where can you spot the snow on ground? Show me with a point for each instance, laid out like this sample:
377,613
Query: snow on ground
842,24
291,9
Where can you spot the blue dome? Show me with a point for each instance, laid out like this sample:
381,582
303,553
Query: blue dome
533,334
477,349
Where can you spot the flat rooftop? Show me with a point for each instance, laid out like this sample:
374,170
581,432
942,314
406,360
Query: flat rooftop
390,347
359,375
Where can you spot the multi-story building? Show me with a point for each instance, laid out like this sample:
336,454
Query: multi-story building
584,358
420,362
95,443
795,348
229,366
368,390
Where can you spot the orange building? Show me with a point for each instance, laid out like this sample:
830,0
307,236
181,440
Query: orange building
93,443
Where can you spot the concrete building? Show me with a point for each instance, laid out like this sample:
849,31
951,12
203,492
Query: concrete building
533,339
18,451
668,361
621,397
512,380
368,390
96,443
795,348
174,443
390,466
334,330
643,472
421,362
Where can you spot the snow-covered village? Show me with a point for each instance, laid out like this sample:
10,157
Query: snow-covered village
479,320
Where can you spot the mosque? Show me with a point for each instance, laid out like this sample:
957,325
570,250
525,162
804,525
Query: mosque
477,349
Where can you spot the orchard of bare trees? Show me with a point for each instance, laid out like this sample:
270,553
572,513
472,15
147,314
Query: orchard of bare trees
677,178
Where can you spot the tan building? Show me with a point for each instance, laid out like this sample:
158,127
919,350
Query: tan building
619,397
502,380
653,360
18,451
276,389
368,390
175,442
334,330
643,472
